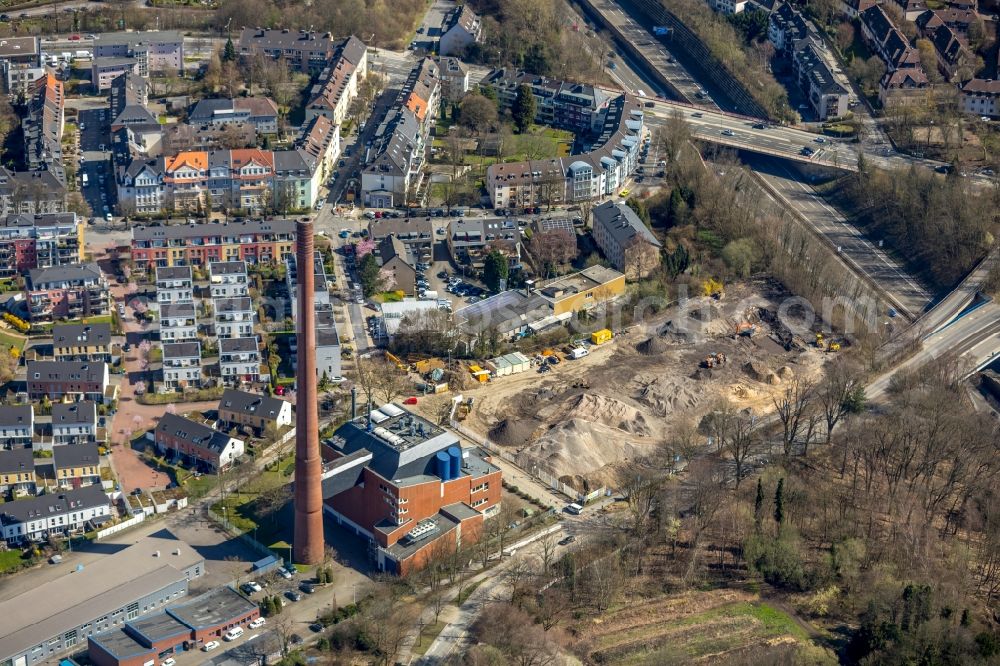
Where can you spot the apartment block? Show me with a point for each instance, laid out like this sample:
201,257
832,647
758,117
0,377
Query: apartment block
178,322
251,241
321,291
303,50
337,84
42,126
67,292
182,365
21,59
624,239
240,360
260,112
234,317
39,241
228,279
82,342
328,360
460,29
32,192
174,285
152,51
69,380
74,422
981,97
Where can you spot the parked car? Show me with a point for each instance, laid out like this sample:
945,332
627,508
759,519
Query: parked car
316,627
169,661
251,587
284,573
293,595
256,624
209,646
568,540
307,587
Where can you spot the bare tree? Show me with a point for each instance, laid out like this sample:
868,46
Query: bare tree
794,408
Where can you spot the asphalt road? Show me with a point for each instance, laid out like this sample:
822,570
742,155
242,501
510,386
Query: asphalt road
865,255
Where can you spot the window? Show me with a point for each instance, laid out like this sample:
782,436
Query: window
133,610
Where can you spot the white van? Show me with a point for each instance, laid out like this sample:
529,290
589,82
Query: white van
233,634
574,508
578,352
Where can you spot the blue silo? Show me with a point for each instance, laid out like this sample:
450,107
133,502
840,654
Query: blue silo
443,465
455,454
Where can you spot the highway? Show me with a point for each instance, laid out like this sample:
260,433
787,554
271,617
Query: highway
905,293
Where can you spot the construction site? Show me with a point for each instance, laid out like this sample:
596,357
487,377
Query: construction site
577,416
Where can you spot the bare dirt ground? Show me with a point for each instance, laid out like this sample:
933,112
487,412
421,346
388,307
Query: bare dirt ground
586,416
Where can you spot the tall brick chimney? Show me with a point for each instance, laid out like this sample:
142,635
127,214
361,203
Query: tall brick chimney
308,537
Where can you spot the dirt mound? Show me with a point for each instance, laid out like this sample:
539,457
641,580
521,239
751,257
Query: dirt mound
785,373
461,381
609,412
513,432
653,346
677,334
665,396
579,447
757,370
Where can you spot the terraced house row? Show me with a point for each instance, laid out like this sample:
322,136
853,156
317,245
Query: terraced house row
252,241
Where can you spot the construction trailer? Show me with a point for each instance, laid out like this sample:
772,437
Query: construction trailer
601,336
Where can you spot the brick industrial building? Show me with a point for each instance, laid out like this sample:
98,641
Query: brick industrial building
407,485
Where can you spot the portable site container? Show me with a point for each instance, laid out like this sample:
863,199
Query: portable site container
601,336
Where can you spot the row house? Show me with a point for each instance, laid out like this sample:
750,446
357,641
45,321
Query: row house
196,443
239,360
17,425
82,342
421,93
242,179
234,317
337,84
42,126
228,279
174,284
600,170
39,241
68,380
182,365
77,466
37,518
67,292
905,79
259,413
302,50
260,112
74,423
251,241
950,53
21,60
17,471
178,322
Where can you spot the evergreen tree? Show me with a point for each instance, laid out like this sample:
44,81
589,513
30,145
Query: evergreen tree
779,502
523,109
758,504
495,270
229,52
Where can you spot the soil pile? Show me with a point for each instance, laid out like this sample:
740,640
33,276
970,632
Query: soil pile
665,396
757,370
513,432
676,334
578,446
785,373
608,412
654,346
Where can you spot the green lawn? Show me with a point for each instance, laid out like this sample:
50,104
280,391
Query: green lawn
8,340
240,508
10,559
427,637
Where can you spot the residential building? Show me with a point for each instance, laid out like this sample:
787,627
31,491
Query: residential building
42,126
127,101
337,84
624,239
408,486
728,7
912,8
417,234
601,169
196,443
321,291
320,140
584,290
179,628
471,238
57,616
421,94
31,192
905,79
152,51
297,179
37,518
454,78
228,279
182,365
392,176
302,50
81,342
259,413
328,349
77,466
17,471
66,292
981,97
786,25
239,360
17,425
73,380
460,29
234,317
949,50
576,107
104,70
260,112
174,284
852,8
811,65
178,322
397,267
39,241
251,241
21,60
74,423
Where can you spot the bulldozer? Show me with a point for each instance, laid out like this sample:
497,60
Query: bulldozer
713,360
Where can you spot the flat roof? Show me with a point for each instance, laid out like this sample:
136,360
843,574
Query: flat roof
212,608
159,626
575,283
79,597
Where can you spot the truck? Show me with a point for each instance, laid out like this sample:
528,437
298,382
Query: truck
84,180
